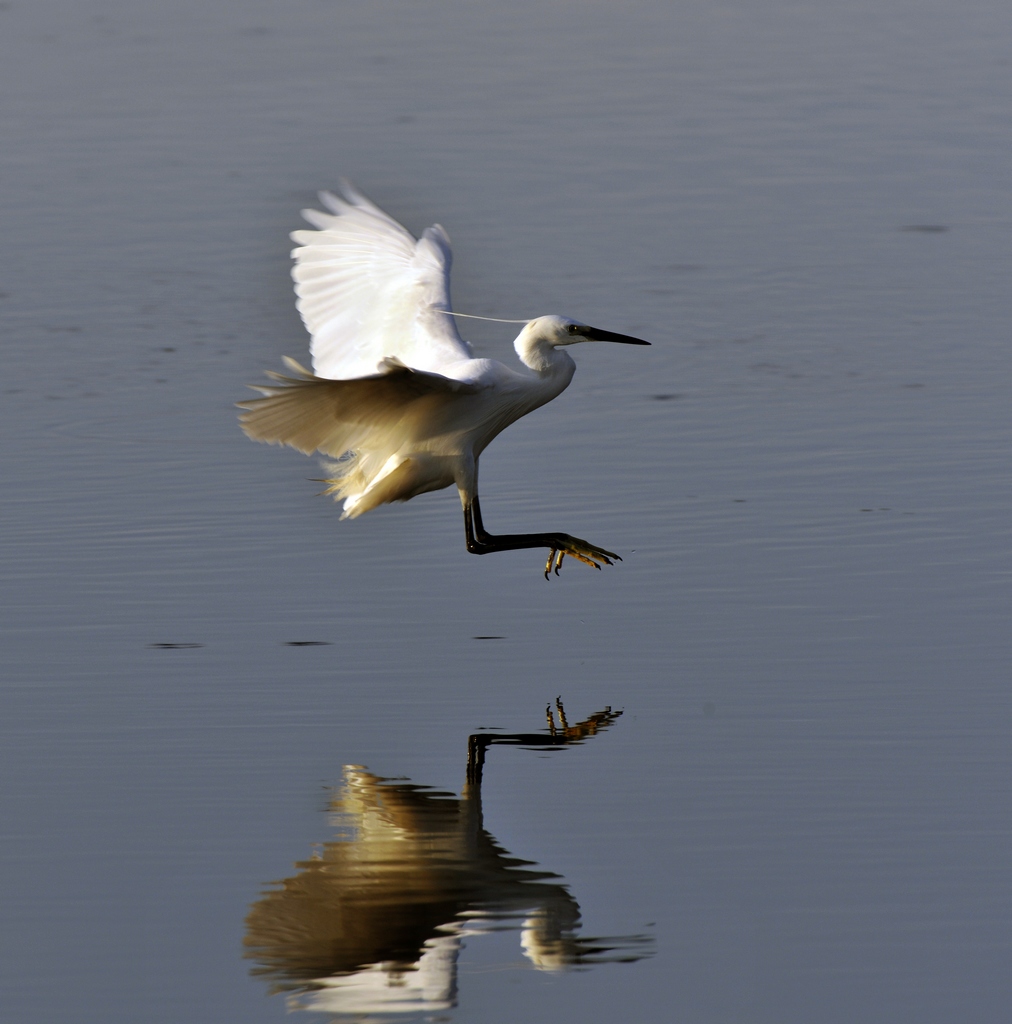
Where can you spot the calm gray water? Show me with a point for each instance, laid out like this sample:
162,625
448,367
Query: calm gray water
803,812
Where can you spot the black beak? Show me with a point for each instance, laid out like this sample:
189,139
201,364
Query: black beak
593,334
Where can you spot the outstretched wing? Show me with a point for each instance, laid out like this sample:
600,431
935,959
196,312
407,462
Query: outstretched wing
367,291
316,414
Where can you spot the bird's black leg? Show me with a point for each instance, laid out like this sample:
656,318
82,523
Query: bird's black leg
479,527
474,545
480,542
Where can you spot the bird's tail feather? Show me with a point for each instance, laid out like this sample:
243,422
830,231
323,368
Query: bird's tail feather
375,427
345,480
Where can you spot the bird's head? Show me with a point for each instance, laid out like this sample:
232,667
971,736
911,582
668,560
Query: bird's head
560,330
537,341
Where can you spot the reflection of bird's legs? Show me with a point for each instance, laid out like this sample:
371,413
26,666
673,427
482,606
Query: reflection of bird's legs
562,713
481,542
563,723
476,745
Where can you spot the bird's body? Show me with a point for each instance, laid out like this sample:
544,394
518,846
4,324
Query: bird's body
396,394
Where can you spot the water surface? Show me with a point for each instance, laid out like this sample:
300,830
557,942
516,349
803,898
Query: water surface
804,804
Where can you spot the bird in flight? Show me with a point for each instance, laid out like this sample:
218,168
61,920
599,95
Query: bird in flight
396,395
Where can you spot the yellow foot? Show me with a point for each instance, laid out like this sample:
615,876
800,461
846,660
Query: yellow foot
589,554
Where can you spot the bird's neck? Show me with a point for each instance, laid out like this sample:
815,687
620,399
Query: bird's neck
544,358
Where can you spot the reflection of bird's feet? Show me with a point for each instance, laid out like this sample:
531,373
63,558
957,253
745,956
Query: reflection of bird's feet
589,554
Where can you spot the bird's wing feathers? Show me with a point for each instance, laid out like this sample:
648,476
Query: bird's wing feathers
367,291
316,414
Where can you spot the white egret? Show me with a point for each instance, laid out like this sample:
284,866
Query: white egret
396,394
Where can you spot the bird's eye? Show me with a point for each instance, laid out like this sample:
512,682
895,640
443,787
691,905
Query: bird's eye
572,329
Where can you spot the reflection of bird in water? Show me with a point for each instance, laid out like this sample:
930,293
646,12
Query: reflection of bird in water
375,920
396,394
